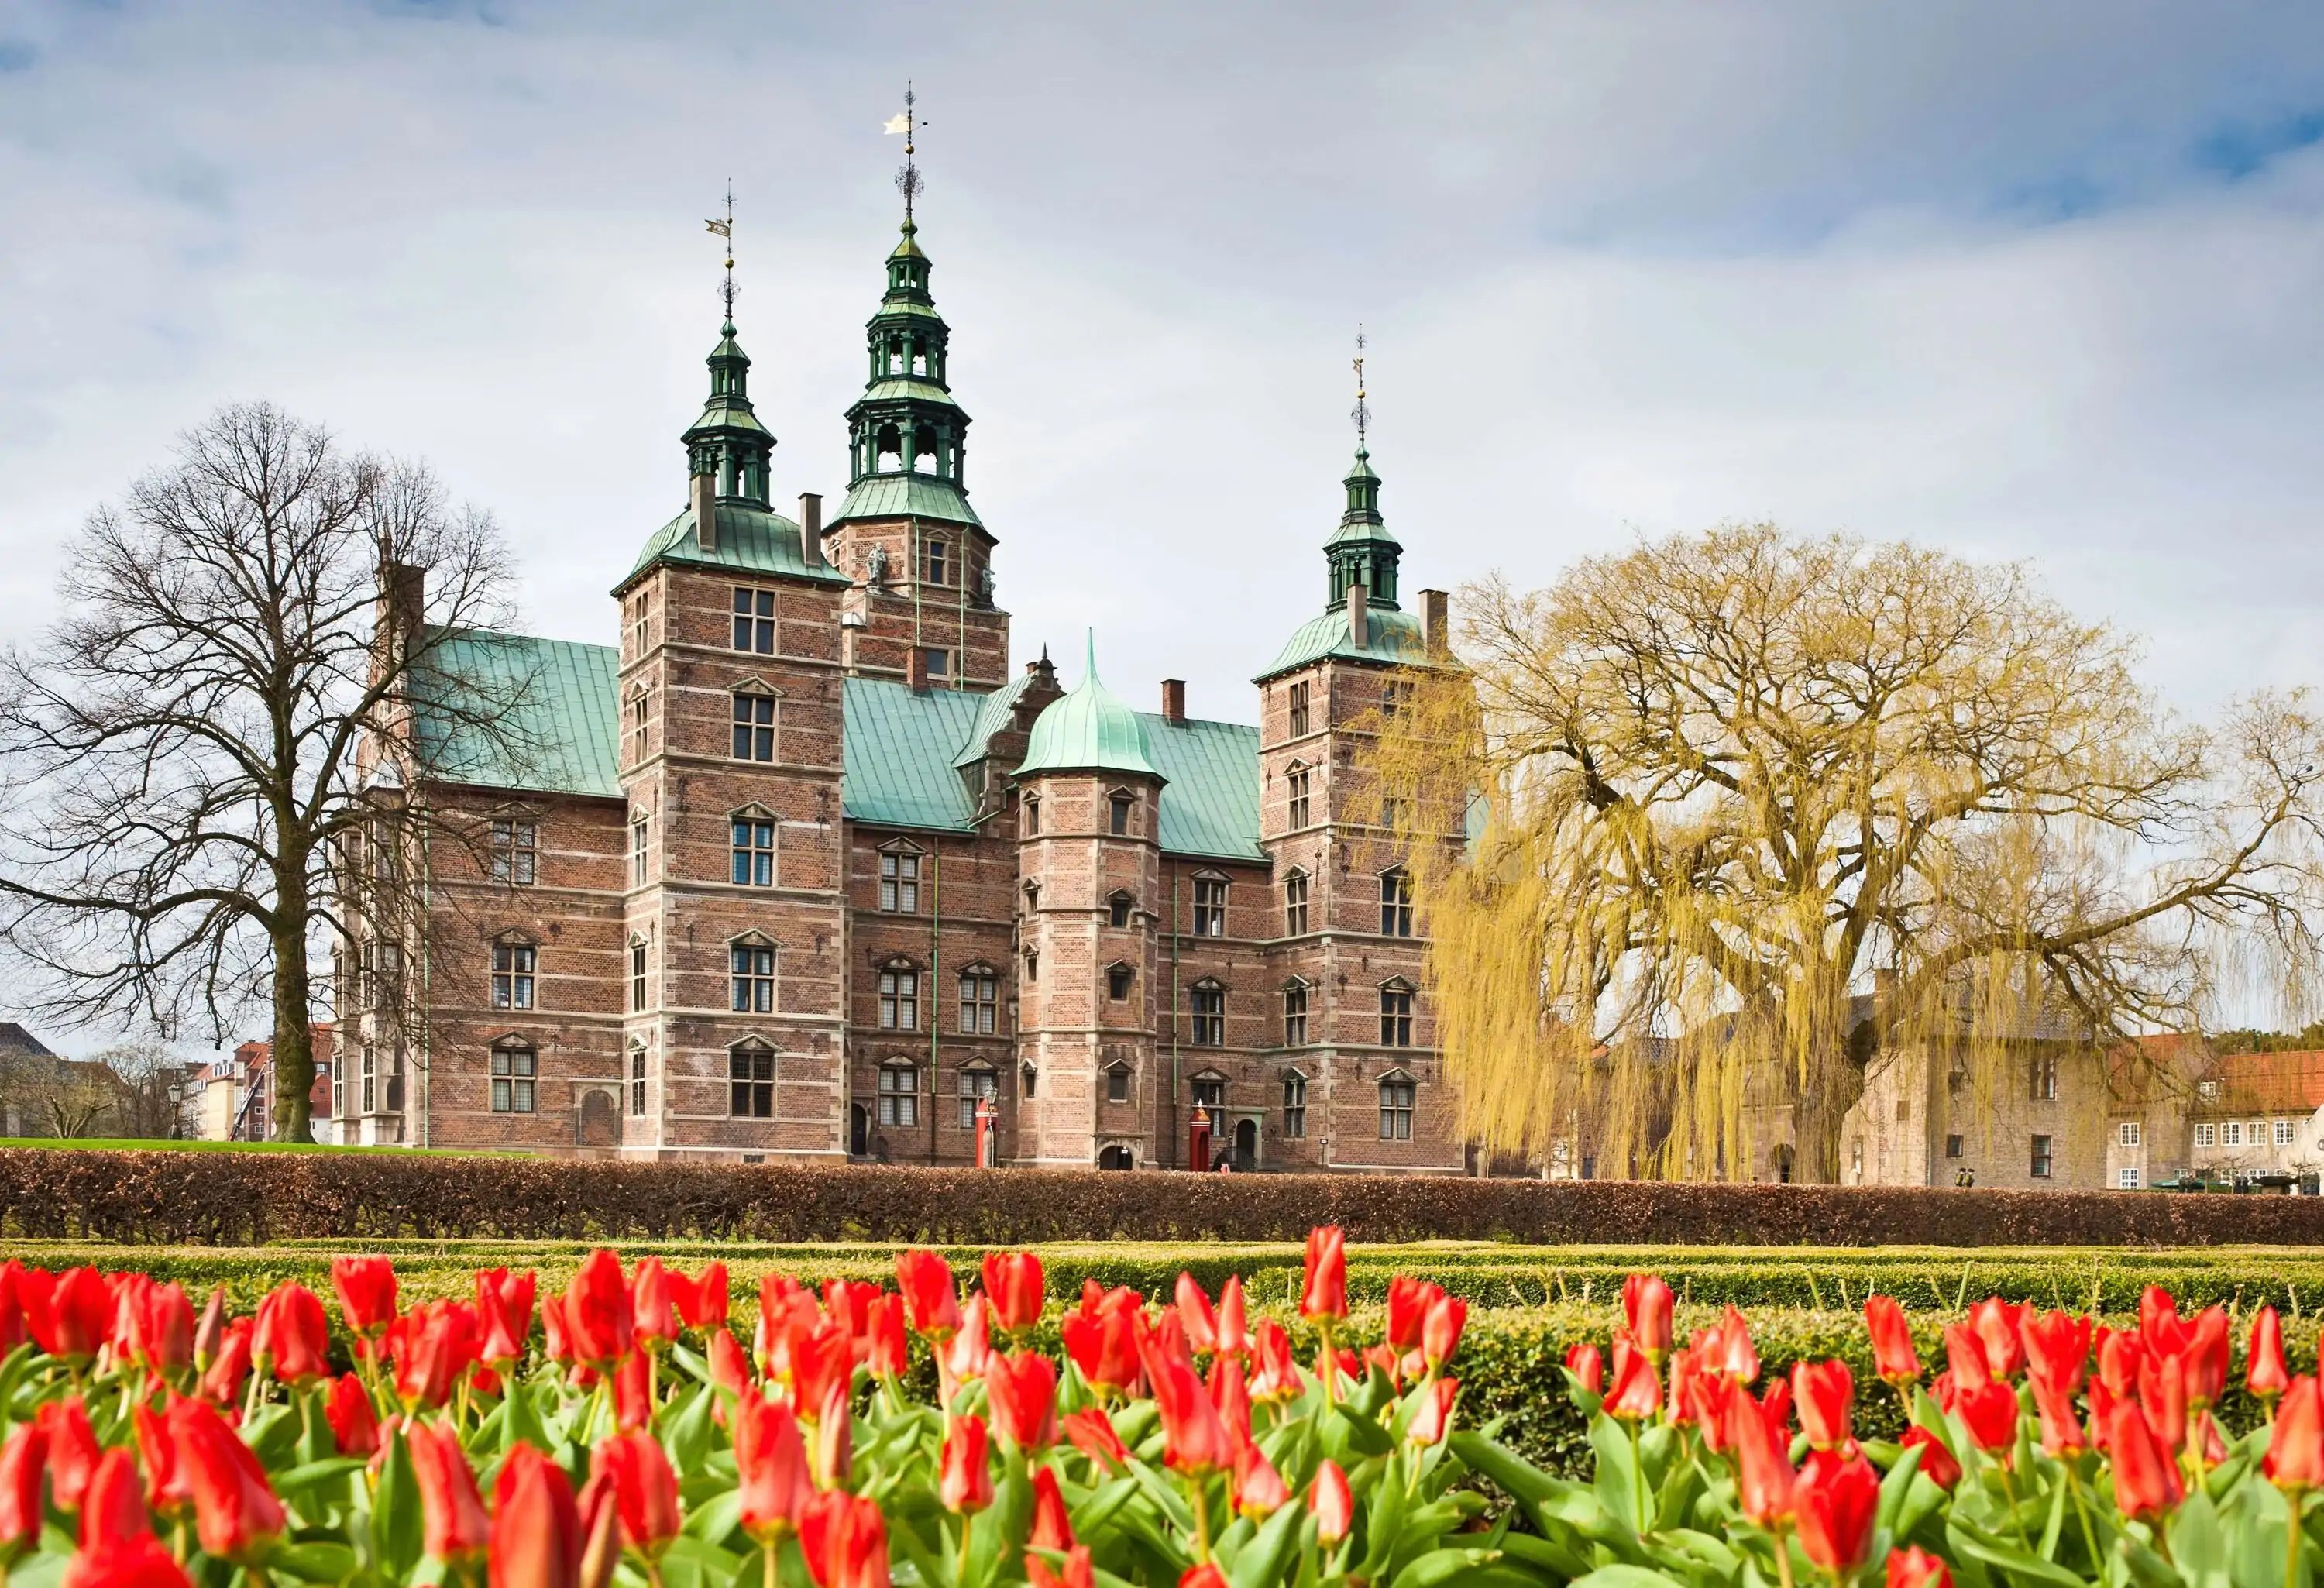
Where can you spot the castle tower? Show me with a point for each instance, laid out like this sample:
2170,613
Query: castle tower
1089,860
730,719
1347,961
920,559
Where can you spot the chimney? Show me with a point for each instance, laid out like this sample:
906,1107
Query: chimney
1434,626
1173,702
916,669
1360,622
811,528
703,491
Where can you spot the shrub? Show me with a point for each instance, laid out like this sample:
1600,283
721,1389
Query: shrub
237,1198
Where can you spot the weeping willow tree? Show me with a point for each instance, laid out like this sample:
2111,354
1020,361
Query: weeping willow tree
1703,828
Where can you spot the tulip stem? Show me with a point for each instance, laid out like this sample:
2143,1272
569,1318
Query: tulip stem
1200,1491
1637,1477
967,1527
2082,1516
1784,1557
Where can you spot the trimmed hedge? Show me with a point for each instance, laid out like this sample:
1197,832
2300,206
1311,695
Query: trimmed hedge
227,1198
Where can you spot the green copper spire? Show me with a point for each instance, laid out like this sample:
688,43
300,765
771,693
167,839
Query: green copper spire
728,442
1362,551
1089,729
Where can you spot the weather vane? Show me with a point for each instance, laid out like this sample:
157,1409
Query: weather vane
908,179
725,228
1362,413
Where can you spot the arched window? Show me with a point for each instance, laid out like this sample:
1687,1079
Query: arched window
1396,904
979,1001
899,1093
750,967
1295,904
1395,1093
1395,1013
750,1080
754,725
1207,999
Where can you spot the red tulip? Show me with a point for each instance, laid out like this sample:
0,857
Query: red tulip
432,1344
556,1338
1764,1476
1990,1413
1647,1306
1936,1460
891,1347
1013,1290
113,1512
599,1318
1104,1346
366,1287
70,1316
1255,1489
632,1393
845,1541
12,1331
1234,1335
72,1449
1727,1349
1585,1363
1440,1332
644,1488
537,1541
1023,1391
2145,1479
1892,1356
653,1312
153,1325
23,1465
456,1526
1432,1419
1408,1300
1092,1433
822,1363
1637,1391
1079,1573
965,1467
597,1515
504,1311
1965,1358
1195,1440
2264,1373
1822,1390
1202,1576
1053,1525
222,1380
1333,1505
1700,1397
924,1279
1197,1316
1231,1396
355,1425
1834,1504
2057,1349
1916,1568
143,1563
848,1303
2296,1440
1995,1323
2206,1356
2163,1397
166,1489
1276,1378
293,1333
2061,1425
730,1370
1323,1290
2160,1327
770,1460
235,1514
702,1302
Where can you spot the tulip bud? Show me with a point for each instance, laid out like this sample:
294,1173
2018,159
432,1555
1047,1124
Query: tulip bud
644,1488
210,1333
1324,1289
1834,1504
2296,1440
1333,1505
1587,1363
1892,1356
925,1280
366,1287
770,1461
537,1541
1647,1305
1916,1568
1822,1390
113,1511
1013,1288
2264,1373
456,1526
355,1425
23,1459
237,1515
964,1482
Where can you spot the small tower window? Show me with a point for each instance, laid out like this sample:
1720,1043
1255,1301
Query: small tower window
1117,909
1299,710
1396,1092
750,1081
1117,1084
1208,1001
1295,785
1118,819
1294,1015
1295,905
940,557
754,727
1031,817
751,966
1118,980
1395,904
1294,1104
1396,1015
754,621
754,852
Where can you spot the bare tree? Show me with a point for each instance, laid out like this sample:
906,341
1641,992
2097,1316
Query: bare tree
1751,809
156,1091
224,712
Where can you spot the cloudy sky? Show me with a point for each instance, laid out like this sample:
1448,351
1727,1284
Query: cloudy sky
2027,279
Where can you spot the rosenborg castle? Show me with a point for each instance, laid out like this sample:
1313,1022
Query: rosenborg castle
800,870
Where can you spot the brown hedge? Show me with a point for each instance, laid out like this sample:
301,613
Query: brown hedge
232,1198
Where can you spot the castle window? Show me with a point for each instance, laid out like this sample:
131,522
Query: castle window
976,1084
395,1079
2042,1078
515,850
937,661
1395,1092
639,608
752,969
637,976
900,1094
1118,980
1208,1000
639,851
1210,1093
1299,712
980,1002
754,852
1031,1081
2206,1135
1294,1104
754,621
1031,818
1117,1084
1296,781
1395,904
750,1081
1294,1015
638,1080
638,715
754,727
1117,909
899,999
1295,905
938,558
1118,820
2039,1168
1210,907
370,1079
1032,964
899,882
1396,1015
1395,695
513,972
514,1070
